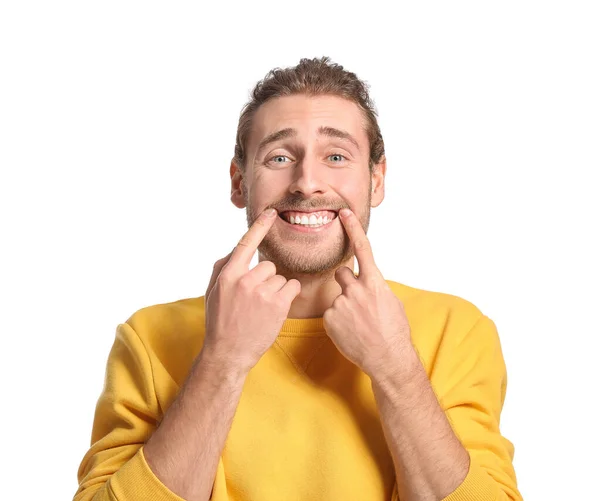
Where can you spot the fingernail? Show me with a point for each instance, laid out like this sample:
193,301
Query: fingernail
270,212
345,212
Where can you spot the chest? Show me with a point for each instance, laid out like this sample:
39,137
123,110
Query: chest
306,427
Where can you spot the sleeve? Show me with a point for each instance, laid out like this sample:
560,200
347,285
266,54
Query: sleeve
471,387
127,413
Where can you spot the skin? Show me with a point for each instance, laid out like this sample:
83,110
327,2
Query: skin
368,325
301,276
361,314
429,460
307,173
184,450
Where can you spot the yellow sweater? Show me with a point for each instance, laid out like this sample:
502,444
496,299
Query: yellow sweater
307,425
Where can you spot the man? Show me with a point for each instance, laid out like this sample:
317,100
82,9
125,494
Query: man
301,379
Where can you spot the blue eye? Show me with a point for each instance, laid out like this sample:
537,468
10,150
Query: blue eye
278,156
285,156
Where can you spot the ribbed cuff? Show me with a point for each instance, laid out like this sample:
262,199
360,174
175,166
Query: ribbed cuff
477,485
136,481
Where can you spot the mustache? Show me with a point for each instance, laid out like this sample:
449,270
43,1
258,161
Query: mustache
299,204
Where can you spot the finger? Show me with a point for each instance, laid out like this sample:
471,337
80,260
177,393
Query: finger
216,271
262,272
360,244
290,290
274,284
344,276
246,247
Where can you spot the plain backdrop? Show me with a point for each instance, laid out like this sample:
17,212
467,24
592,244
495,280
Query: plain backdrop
117,127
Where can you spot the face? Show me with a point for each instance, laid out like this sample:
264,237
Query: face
311,167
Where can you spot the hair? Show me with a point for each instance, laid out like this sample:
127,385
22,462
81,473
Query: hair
311,77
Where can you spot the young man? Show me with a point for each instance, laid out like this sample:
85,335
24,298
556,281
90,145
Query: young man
301,379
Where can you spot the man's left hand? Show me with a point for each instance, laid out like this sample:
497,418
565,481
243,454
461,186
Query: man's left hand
366,322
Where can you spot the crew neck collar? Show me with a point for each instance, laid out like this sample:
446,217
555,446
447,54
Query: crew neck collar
303,326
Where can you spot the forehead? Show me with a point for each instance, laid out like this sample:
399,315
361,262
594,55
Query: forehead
306,114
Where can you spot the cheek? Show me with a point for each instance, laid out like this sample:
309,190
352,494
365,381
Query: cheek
264,194
356,195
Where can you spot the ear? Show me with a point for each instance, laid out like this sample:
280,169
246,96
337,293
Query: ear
237,180
378,182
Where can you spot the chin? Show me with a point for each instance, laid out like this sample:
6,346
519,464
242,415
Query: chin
299,261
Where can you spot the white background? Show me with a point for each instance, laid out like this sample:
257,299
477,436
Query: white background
117,126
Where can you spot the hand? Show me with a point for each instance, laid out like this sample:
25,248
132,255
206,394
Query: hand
366,321
245,310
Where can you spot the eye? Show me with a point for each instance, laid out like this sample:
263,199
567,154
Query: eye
278,156
272,159
338,155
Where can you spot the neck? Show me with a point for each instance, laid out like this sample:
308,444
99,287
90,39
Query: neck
317,291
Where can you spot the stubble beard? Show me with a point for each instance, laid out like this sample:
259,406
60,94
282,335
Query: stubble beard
306,254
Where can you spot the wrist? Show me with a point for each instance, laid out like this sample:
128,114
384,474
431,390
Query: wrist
222,366
399,366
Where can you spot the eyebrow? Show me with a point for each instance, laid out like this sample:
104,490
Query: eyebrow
323,131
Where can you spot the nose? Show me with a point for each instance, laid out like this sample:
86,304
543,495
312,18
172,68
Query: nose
309,178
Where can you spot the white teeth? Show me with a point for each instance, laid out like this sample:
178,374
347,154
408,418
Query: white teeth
311,220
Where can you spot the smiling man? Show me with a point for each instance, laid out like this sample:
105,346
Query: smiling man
308,157
301,378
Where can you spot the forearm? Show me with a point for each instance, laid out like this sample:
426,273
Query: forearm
184,450
429,459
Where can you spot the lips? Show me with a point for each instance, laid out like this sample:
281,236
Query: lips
314,220
331,214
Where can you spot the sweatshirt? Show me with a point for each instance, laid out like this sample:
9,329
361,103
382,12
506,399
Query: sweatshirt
307,425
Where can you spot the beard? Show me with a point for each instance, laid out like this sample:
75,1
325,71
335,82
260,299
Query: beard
295,253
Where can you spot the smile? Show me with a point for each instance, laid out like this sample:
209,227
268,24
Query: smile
308,222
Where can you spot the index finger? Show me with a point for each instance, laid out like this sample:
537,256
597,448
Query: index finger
246,247
216,270
360,244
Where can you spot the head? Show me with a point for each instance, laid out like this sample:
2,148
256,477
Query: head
308,139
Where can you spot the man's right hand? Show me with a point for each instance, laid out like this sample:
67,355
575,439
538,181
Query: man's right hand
244,310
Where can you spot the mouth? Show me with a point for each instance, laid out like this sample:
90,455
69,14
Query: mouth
314,221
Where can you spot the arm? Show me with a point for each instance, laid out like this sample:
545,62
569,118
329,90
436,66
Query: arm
450,450
429,459
184,451
368,324
132,458
181,457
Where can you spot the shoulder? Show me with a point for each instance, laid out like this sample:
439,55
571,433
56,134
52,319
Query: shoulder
423,302
166,317
440,322
171,332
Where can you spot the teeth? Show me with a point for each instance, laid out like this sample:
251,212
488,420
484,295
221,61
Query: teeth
311,220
